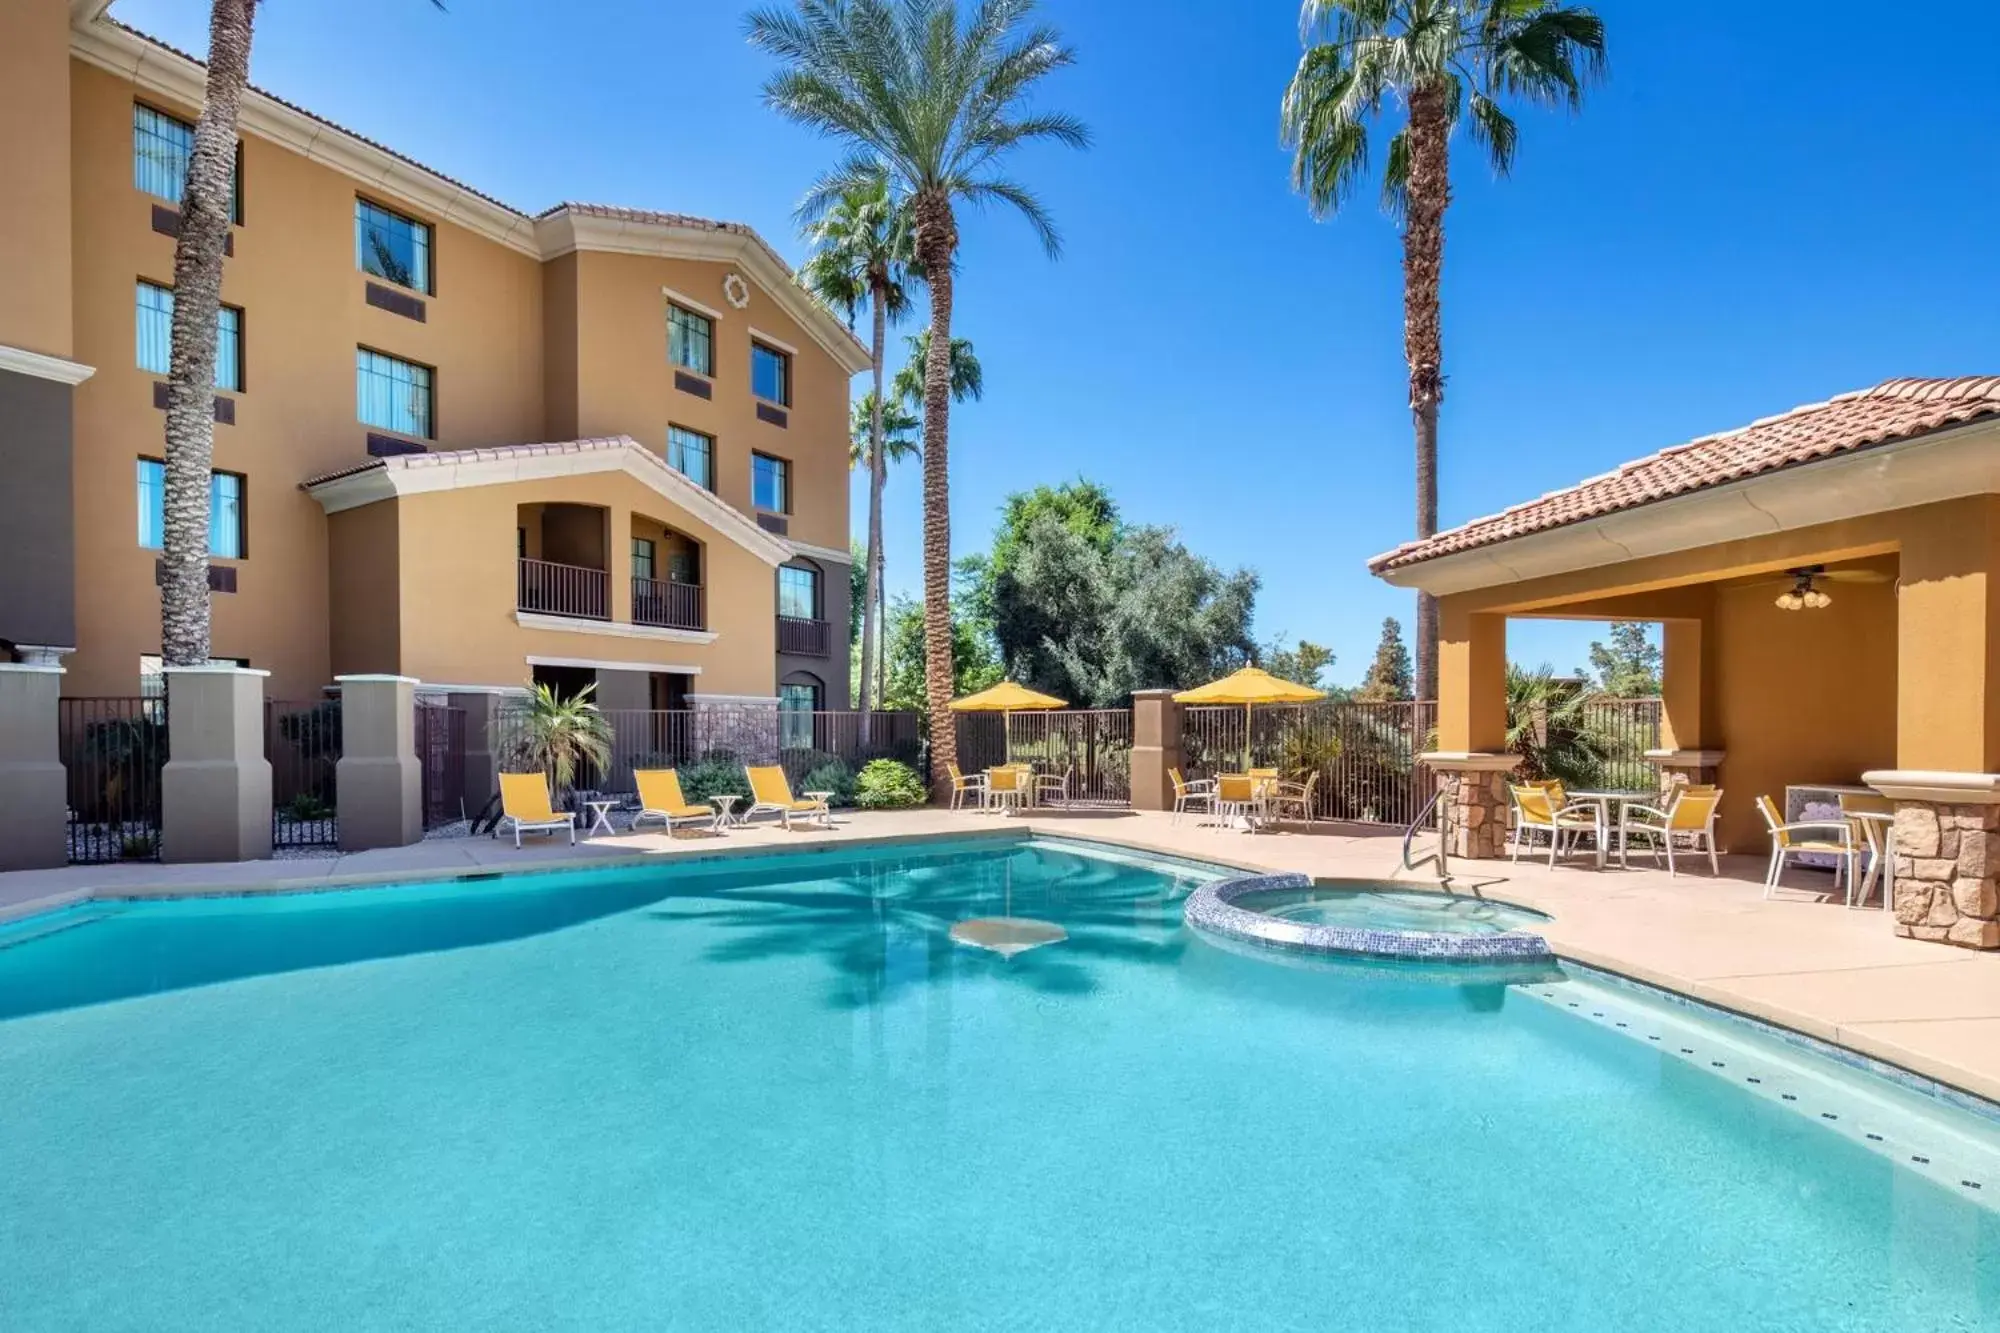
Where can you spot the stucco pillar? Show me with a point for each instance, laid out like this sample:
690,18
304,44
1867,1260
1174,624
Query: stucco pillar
378,780
482,762
1156,747
618,562
1690,749
215,789
1472,680
1948,642
34,786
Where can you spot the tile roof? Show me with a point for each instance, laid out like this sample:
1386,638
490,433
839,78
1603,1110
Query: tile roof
1893,410
482,454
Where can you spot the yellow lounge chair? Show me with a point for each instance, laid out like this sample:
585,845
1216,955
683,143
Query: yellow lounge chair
1536,811
770,791
660,798
1197,796
524,803
1688,815
963,786
1835,838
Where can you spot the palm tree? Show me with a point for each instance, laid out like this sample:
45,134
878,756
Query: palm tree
968,377
190,445
557,734
932,103
899,426
1443,60
862,251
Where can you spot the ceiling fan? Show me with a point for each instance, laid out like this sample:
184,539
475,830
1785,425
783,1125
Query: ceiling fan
1802,592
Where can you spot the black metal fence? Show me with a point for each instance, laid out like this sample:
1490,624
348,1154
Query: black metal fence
1092,745
113,750
440,746
302,742
1361,758
1625,729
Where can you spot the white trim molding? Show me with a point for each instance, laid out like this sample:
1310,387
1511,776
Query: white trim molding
371,678
826,553
213,669
32,669
761,699
689,303
778,343
39,366
610,629
601,664
1943,788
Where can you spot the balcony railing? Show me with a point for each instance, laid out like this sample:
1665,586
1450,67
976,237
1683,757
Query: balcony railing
666,604
804,638
564,590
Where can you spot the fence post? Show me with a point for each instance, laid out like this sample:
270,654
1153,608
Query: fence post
378,783
215,790
34,788
1156,747
482,764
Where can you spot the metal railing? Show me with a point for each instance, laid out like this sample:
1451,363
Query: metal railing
1092,745
804,638
564,590
1365,754
302,743
667,604
440,745
113,751
1625,729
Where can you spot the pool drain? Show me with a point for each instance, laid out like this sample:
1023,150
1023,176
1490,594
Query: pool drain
1007,935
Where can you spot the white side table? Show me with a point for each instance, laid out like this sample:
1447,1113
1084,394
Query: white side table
600,818
725,811
824,798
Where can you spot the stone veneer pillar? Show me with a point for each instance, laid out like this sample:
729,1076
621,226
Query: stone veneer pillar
1156,747
215,789
1945,847
34,786
1479,802
746,725
378,780
1686,768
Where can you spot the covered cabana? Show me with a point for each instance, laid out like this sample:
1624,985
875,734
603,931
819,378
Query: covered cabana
1828,583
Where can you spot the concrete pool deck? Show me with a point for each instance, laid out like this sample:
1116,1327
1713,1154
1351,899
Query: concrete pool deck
1801,960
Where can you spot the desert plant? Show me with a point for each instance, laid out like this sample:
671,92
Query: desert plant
713,777
138,846
555,734
885,784
1550,726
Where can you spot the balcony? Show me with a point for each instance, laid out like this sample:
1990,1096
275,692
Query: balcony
564,590
804,638
666,604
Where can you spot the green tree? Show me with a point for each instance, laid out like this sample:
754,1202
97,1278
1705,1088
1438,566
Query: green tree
1444,61
1628,667
904,680
1550,727
1301,664
557,734
1388,678
932,102
862,250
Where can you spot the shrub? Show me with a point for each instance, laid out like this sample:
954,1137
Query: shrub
834,776
713,777
307,807
138,846
887,785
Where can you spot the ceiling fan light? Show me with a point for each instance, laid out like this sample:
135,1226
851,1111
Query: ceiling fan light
1818,600
1790,601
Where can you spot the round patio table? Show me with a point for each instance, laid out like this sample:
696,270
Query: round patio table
1609,802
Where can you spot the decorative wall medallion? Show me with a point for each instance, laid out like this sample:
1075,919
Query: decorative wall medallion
736,291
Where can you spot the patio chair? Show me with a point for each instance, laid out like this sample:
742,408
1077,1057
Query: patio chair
660,798
771,793
1786,840
1295,796
1006,788
1873,835
963,786
1536,811
1237,797
525,804
1689,816
1050,789
1197,796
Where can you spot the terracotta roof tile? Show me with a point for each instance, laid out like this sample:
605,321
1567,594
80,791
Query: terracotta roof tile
1893,410
481,454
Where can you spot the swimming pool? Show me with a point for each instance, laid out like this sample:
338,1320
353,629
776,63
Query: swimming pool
776,1094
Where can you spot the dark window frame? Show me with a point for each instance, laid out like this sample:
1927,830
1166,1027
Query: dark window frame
242,508
430,370
785,482
784,360
236,177
429,287
705,371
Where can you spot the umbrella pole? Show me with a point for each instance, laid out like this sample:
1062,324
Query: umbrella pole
1246,738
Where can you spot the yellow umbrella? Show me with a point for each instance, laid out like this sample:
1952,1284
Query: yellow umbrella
1250,686
1007,697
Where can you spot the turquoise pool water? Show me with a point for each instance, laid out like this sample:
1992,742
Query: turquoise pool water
778,1096
1386,907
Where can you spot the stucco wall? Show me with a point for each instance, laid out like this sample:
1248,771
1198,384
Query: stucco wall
35,312
364,590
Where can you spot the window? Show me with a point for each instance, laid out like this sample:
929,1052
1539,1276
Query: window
692,454
798,592
392,247
690,340
225,510
154,323
771,483
642,558
770,374
161,145
392,395
797,702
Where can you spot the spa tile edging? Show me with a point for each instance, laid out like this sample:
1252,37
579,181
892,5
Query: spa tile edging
1212,908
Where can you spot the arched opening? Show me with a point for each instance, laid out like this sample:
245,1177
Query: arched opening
667,576
802,628
801,695
561,549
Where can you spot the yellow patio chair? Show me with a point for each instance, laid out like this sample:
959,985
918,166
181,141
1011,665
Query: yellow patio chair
1197,796
1295,796
1536,811
660,798
771,793
1689,817
1237,795
524,803
1786,841
963,786
1007,787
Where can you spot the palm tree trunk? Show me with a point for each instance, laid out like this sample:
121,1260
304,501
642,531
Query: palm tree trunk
937,240
204,229
871,625
1428,194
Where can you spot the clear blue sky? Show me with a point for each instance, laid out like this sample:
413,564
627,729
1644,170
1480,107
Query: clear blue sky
1765,205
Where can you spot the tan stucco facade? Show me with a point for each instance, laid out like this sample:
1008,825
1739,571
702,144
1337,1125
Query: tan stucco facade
534,329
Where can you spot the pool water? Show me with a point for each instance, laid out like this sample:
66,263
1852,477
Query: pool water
1383,906
776,1095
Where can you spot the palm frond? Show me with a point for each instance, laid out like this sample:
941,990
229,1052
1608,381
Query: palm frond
1025,202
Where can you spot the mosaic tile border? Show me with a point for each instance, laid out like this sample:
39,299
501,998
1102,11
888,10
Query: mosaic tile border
1212,908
